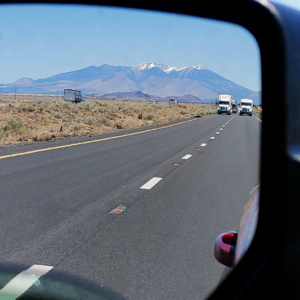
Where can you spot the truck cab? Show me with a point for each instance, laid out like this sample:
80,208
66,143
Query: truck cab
234,106
246,107
225,104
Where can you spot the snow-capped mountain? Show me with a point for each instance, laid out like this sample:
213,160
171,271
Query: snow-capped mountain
149,78
167,69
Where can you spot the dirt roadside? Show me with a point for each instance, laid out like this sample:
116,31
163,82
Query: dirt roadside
30,119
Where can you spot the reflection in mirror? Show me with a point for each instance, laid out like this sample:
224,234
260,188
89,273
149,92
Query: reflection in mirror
129,142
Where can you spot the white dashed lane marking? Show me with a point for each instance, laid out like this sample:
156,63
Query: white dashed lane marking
151,183
212,138
23,281
187,156
217,132
203,145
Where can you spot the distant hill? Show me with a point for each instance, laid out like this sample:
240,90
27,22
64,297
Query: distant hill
256,97
147,78
138,95
135,95
185,98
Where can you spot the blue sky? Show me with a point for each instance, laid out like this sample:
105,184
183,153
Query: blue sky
39,41
291,3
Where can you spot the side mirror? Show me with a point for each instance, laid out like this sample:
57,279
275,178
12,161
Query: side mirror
225,248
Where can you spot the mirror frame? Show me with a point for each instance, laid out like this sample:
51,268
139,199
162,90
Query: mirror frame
261,270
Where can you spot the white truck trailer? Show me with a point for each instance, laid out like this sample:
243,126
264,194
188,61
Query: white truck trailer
225,104
73,95
172,101
246,107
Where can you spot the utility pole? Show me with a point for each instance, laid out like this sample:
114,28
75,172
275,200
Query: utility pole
15,93
57,96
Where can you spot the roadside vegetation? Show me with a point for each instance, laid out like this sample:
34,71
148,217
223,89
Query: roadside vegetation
33,119
257,110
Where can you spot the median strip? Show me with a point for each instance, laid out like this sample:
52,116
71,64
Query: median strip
151,183
23,281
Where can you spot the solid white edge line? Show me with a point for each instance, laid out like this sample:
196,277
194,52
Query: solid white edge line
257,118
23,281
187,156
151,183
203,145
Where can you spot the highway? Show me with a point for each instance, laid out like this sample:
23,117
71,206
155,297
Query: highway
136,211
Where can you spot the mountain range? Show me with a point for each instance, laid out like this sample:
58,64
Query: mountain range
151,78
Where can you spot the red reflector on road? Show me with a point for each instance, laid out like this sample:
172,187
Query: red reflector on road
119,209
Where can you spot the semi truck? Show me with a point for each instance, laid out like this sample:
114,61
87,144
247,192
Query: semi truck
73,95
172,101
246,107
234,106
225,104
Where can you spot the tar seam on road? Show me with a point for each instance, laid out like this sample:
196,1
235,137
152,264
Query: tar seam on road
23,281
95,141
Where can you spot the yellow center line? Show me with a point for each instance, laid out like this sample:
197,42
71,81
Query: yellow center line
94,141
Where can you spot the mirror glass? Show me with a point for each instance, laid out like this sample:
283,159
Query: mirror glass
129,140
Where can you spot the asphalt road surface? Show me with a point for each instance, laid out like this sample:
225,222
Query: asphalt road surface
175,189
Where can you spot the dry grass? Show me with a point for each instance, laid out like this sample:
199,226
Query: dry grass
41,118
257,110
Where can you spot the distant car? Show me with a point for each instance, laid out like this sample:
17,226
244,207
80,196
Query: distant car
234,110
152,102
231,246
